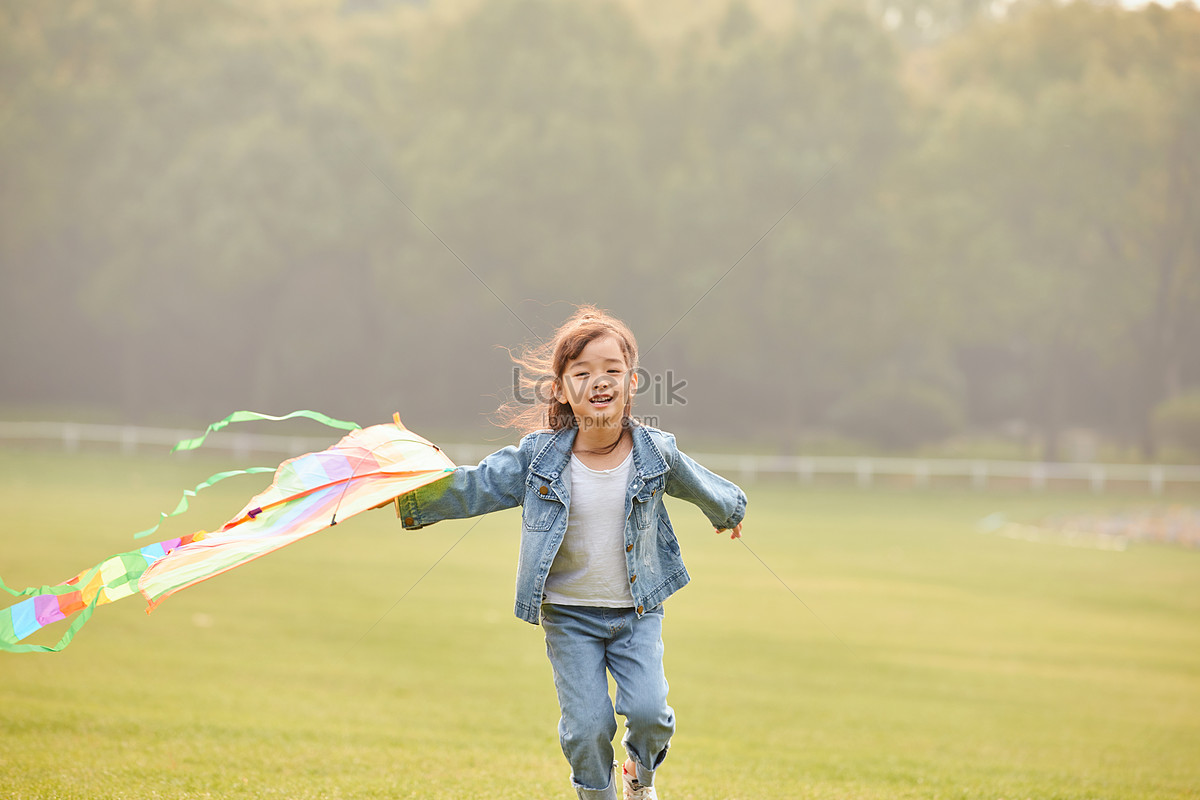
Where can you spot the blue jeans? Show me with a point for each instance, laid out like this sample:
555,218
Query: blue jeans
582,643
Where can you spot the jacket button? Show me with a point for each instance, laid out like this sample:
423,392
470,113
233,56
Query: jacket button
632,578
628,548
640,609
545,490
408,520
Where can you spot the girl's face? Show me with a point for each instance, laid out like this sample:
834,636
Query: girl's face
598,384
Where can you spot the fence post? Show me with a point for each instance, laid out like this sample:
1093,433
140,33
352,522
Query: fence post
979,475
240,446
70,435
864,469
1037,476
921,474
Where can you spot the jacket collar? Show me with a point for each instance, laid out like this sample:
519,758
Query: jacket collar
551,461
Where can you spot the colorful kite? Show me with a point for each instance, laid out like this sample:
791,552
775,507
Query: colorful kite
367,469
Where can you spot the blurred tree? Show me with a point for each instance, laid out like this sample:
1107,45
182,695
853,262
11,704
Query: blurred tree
204,205
211,167
1177,421
899,413
522,179
527,150
1048,216
794,129
44,142
918,23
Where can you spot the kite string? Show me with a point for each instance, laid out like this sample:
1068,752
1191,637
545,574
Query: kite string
410,588
793,594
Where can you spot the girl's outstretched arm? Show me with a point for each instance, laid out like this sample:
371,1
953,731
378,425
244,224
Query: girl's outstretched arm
722,501
496,483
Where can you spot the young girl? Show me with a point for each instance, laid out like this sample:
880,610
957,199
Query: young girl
598,554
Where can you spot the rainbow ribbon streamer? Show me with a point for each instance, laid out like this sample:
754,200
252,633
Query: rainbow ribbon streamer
112,579
366,469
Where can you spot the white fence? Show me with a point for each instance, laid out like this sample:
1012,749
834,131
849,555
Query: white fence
864,471
980,474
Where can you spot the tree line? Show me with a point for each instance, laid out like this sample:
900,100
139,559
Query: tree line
827,226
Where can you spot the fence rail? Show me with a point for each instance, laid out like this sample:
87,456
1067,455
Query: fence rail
865,471
980,473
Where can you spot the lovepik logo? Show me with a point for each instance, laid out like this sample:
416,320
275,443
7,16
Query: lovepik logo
663,389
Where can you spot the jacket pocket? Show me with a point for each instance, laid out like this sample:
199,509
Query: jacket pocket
646,504
541,508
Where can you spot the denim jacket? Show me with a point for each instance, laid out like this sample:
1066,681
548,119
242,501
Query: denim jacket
531,475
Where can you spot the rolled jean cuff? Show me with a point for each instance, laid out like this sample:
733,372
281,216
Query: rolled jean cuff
645,775
607,793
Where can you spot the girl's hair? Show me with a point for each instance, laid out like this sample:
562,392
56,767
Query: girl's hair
539,367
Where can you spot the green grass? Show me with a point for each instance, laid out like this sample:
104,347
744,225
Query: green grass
940,663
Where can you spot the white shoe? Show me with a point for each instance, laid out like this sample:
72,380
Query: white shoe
633,789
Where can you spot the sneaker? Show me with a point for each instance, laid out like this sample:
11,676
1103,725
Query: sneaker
633,789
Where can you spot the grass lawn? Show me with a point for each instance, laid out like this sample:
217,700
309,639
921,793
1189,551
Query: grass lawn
939,662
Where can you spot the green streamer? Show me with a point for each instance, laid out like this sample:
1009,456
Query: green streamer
58,588
250,416
207,482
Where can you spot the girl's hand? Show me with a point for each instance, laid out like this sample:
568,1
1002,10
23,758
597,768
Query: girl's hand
736,533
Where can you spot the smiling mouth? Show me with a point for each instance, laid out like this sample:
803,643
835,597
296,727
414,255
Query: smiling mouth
600,400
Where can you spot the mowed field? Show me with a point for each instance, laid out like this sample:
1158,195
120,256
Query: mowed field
939,663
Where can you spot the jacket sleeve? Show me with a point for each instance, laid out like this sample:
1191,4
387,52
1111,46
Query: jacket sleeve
496,483
722,501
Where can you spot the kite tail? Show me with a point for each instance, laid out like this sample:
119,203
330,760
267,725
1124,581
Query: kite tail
108,581
366,469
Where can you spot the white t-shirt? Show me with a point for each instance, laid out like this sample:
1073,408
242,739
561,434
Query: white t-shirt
589,569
